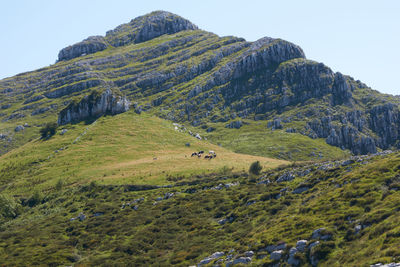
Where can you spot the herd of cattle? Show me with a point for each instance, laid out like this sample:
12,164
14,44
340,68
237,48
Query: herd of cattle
211,154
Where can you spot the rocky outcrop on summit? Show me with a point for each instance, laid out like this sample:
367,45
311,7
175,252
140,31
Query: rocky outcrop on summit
147,27
90,45
139,30
93,106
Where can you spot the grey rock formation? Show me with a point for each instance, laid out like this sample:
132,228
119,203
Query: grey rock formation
392,264
211,258
301,245
147,27
90,45
287,176
19,128
300,189
292,259
321,234
276,255
242,260
93,106
234,124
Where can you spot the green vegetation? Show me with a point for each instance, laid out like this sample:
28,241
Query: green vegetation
48,130
256,138
255,168
184,229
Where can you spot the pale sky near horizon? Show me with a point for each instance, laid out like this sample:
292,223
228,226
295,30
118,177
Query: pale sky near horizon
357,38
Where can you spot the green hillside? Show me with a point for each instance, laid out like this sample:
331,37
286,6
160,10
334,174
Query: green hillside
124,223
117,184
123,149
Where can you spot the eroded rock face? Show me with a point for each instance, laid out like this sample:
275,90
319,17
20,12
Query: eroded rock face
351,130
94,106
90,45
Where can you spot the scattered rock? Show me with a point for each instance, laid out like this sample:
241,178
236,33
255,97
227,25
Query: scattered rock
234,125
168,195
301,245
276,255
63,131
321,234
249,253
300,189
392,264
208,259
19,128
287,176
5,106
290,130
242,260
292,259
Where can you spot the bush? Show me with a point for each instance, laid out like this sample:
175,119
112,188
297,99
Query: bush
255,168
48,130
60,184
9,208
35,199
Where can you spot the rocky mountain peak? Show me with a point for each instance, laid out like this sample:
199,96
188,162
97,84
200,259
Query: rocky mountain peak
138,30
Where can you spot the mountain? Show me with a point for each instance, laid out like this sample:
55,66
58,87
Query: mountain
166,66
119,180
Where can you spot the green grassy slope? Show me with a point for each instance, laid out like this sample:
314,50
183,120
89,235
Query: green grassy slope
184,229
121,149
257,139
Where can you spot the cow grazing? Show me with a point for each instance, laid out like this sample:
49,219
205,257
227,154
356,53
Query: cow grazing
201,152
194,154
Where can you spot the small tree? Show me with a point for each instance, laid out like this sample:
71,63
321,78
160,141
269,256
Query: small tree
48,130
255,168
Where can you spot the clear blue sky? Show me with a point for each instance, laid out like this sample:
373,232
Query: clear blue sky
358,38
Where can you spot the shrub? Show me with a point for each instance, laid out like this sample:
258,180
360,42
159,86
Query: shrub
48,130
255,168
60,184
35,199
9,208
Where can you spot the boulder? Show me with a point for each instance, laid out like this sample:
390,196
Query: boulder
234,125
321,234
301,245
249,253
210,258
242,260
292,259
300,189
19,128
276,255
